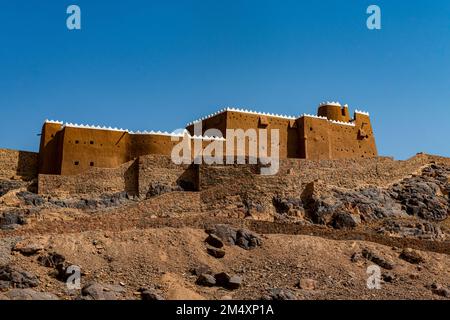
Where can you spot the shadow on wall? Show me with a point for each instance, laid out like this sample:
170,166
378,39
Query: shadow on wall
131,178
27,165
189,179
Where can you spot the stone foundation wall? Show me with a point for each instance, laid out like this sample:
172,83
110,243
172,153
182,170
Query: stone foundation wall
94,182
15,164
159,170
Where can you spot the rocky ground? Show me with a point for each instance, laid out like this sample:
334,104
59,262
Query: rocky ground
320,245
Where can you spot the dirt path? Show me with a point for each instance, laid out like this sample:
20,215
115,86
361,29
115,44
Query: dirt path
122,222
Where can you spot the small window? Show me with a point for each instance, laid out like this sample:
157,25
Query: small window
91,142
91,164
77,142
77,163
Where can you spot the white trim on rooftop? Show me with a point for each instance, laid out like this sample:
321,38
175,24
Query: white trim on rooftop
330,103
161,133
231,109
362,112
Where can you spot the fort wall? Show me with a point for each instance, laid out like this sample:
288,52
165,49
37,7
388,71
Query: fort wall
71,149
94,182
15,164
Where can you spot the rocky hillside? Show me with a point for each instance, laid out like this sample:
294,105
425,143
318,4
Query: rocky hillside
307,233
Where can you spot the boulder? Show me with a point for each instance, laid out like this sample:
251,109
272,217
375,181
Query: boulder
30,199
215,252
411,256
279,294
150,294
222,279
12,218
14,277
224,232
8,185
196,271
440,290
226,281
98,291
377,259
234,283
206,280
28,294
51,259
214,241
28,248
247,239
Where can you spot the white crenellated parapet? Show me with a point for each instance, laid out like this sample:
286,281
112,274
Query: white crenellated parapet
232,109
313,116
351,124
53,121
330,103
87,126
362,112
158,133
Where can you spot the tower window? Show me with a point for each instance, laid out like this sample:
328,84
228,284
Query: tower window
91,142
77,163
91,164
77,142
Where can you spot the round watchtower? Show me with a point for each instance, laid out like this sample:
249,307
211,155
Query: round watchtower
334,111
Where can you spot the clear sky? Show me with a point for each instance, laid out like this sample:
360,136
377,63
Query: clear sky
160,64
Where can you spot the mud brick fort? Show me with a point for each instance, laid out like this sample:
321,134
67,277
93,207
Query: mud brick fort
68,149
83,160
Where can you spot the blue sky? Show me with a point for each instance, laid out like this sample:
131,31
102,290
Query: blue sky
160,64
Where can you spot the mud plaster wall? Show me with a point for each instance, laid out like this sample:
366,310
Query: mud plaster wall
73,150
327,140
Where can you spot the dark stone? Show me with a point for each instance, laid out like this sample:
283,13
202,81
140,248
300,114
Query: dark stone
225,232
344,220
411,256
12,218
30,199
441,291
8,185
29,294
150,294
214,241
425,195
284,205
201,270
97,291
51,259
222,279
279,294
234,283
17,278
382,262
231,236
356,257
388,277
215,252
157,189
206,280
247,239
